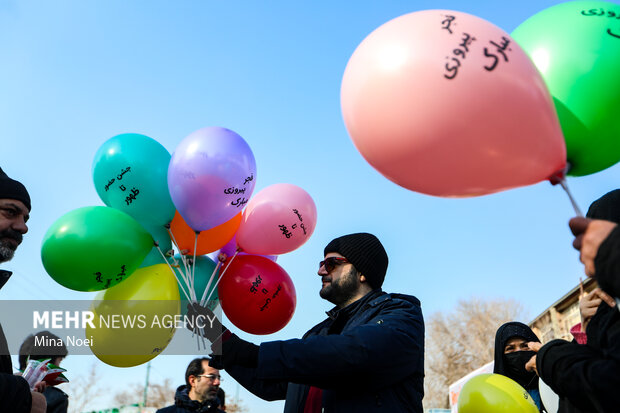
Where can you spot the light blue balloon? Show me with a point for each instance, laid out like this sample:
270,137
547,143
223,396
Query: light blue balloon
130,172
162,237
202,274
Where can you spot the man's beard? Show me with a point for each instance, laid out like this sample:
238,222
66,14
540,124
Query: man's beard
342,290
6,248
6,253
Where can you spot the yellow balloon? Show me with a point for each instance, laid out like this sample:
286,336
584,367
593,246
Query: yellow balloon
494,393
135,320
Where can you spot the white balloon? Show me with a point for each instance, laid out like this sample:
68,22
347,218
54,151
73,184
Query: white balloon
548,397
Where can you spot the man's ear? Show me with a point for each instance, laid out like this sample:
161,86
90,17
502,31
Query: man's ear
363,278
192,380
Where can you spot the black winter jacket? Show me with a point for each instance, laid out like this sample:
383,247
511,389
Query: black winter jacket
14,391
57,400
183,404
367,357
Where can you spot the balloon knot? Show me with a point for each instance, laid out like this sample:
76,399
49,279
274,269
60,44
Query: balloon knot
559,176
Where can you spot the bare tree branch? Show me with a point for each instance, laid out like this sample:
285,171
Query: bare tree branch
461,341
83,390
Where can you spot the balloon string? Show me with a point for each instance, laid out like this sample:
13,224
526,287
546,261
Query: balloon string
174,273
176,244
570,196
183,276
213,274
222,274
192,278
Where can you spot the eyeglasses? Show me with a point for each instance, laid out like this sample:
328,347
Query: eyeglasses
331,263
211,377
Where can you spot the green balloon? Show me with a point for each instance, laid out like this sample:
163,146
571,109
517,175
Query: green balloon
576,47
494,393
94,248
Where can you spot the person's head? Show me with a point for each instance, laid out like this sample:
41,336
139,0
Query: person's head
202,380
512,353
42,346
354,265
14,212
606,207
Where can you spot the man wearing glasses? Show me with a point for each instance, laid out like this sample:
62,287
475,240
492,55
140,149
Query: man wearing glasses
199,394
367,356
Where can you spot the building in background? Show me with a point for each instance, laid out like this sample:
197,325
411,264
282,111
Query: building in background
557,320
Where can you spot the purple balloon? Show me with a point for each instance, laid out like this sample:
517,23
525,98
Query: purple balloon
231,247
211,177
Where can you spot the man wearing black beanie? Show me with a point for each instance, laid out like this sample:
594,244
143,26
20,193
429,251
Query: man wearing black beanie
367,356
15,395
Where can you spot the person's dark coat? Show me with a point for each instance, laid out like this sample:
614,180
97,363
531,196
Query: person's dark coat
367,357
183,404
57,400
14,390
588,376
607,261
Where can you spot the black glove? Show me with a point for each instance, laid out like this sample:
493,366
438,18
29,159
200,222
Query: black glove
203,321
234,350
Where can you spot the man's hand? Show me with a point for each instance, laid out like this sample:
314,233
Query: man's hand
203,321
531,364
40,386
588,304
589,235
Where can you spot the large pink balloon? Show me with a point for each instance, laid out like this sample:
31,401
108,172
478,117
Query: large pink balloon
277,220
445,103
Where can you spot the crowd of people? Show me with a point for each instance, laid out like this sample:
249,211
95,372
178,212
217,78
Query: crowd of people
368,332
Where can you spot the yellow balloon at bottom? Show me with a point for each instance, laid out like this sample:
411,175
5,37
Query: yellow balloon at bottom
494,393
133,321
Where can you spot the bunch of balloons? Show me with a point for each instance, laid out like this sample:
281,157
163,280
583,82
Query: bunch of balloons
447,104
197,200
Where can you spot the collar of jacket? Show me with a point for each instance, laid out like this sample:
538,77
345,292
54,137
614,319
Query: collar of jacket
181,399
369,299
4,277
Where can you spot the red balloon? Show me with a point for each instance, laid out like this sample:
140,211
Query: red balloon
257,295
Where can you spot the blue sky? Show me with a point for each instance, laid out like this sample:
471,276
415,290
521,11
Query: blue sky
76,73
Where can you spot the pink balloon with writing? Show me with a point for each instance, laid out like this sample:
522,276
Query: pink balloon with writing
277,220
447,104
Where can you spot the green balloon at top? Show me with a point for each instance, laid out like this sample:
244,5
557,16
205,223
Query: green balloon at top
130,172
576,47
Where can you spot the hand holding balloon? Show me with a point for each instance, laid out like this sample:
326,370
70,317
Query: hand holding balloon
589,235
204,321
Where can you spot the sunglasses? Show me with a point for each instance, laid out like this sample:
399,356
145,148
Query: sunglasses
331,263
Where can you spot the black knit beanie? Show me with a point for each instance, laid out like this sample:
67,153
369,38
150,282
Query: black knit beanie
365,252
12,189
606,207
